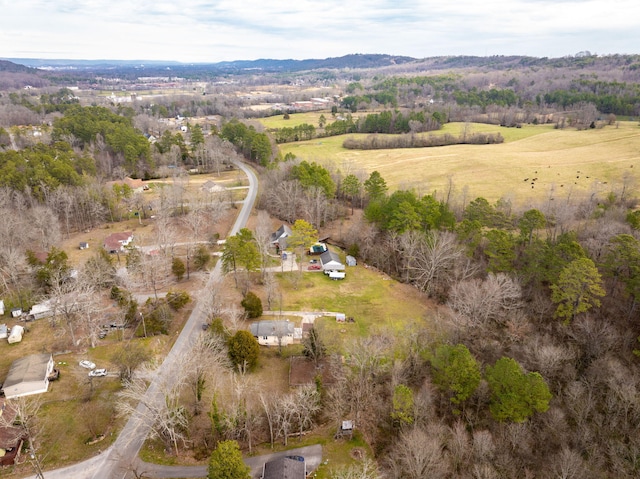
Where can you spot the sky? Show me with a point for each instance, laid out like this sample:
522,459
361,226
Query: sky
223,30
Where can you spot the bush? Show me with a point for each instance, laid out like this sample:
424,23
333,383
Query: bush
201,258
178,268
252,305
177,299
243,350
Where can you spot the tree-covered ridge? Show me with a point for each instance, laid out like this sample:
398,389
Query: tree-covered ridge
44,167
94,124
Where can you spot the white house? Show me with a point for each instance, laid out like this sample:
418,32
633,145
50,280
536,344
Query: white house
273,333
330,261
211,186
116,242
28,375
279,237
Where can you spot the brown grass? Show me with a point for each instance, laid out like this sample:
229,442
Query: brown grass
603,157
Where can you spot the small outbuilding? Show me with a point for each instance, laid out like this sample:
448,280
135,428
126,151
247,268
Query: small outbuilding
1,307
4,331
16,312
351,261
83,245
28,375
16,334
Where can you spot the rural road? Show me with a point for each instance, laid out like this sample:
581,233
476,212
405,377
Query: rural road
121,458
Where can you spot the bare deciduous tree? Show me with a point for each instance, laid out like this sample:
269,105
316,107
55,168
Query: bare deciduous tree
165,414
419,453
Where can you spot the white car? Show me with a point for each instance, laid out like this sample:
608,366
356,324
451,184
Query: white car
87,364
97,373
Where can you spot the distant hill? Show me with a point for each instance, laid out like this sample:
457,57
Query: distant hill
14,75
11,67
269,65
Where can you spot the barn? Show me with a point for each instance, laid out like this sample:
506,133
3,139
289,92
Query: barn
28,375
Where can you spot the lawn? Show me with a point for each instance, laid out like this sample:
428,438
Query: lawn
378,304
565,162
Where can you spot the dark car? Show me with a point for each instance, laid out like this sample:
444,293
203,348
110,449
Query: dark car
296,458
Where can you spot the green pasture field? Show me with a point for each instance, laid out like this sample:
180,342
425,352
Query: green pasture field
565,162
295,119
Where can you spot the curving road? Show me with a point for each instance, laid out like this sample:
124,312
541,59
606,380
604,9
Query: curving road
121,458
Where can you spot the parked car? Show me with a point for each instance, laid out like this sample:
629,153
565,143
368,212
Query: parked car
296,458
313,261
315,267
87,364
98,373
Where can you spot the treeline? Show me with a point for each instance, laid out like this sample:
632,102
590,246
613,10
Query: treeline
377,142
391,122
616,97
608,97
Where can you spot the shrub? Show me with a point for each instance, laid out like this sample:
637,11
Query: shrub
177,299
243,350
252,305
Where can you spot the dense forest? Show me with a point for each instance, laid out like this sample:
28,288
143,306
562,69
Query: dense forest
532,370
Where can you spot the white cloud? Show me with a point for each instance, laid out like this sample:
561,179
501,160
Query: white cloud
201,30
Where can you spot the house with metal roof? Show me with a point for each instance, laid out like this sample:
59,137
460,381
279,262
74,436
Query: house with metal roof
273,332
28,375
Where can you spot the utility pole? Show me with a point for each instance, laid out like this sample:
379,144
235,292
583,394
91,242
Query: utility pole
35,462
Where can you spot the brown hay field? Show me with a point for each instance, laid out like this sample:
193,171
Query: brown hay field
565,162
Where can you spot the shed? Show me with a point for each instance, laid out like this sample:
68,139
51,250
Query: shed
4,332
330,261
16,334
16,312
1,307
28,375
83,245
351,261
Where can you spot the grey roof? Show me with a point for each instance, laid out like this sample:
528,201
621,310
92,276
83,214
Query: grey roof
284,468
329,256
271,328
28,369
281,232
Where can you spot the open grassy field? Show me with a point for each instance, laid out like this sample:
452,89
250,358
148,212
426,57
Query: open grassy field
378,304
565,162
310,117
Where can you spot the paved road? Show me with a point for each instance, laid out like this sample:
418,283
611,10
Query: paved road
311,454
119,460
